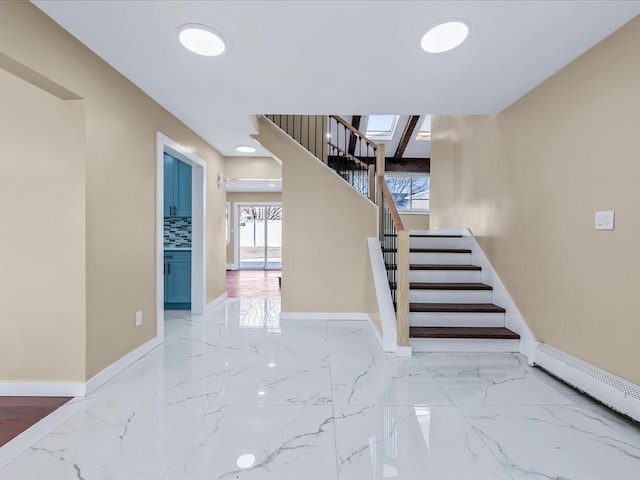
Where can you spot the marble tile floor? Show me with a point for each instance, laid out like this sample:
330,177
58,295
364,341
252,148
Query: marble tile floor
237,394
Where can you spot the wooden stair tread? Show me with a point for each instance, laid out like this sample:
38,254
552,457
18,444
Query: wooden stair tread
431,250
437,266
463,332
447,286
456,307
423,235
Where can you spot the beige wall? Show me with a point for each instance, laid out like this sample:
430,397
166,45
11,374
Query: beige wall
528,181
42,259
415,221
232,198
247,168
325,262
120,180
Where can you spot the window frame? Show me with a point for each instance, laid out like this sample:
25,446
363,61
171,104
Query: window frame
411,175
382,134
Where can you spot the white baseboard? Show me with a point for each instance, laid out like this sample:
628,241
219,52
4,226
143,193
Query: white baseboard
119,365
232,266
216,302
331,316
42,389
76,389
616,392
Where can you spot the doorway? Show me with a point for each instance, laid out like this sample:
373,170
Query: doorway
259,236
198,203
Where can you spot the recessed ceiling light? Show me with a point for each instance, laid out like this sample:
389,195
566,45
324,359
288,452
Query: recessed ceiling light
245,149
444,37
201,39
246,460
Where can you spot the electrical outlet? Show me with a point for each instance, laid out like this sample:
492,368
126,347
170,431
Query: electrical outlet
138,318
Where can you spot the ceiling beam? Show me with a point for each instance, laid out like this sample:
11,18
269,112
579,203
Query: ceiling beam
406,136
355,122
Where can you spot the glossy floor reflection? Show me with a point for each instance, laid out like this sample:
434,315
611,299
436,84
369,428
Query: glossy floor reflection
236,394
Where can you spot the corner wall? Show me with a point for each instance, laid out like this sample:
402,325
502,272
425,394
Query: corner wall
527,183
119,148
326,223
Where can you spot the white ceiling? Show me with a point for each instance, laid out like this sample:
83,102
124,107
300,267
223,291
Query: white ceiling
323,57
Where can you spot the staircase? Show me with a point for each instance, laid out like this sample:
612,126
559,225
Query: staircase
449,308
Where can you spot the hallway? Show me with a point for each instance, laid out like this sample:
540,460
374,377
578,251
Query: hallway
253,283
237,394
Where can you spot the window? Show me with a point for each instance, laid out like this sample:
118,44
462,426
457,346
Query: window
425,129
410,192
381,127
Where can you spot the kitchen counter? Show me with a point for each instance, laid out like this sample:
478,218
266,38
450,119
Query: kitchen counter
177,249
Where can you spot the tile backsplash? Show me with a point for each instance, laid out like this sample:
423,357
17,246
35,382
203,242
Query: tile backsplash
177,232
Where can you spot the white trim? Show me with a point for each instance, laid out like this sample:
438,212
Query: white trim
455,231
77,389
616,392
42,389
389,338
198,222
16,446
464,345
513,319
216,302
232,266
121,364
331,316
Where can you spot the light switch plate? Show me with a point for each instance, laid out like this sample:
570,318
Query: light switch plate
604,220
138,318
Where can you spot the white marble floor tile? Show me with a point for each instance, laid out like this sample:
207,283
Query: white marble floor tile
263,442
103,441
378,379
564,442
279,379
493,379
410,443
352,339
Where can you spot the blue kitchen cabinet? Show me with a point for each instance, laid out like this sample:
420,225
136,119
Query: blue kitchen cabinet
177,187
177,280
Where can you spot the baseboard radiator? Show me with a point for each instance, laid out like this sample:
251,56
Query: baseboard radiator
615,392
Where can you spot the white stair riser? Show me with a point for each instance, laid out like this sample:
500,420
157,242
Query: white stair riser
450,296
436,242
446,319
440,258
463,345
445,276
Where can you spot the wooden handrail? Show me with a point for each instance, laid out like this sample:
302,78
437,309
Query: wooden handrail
349,156
392,205
354,130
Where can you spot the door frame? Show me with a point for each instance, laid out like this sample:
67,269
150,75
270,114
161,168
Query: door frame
198,227
236,229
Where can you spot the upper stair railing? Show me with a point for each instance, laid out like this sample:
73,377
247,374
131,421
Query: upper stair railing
339,145
360,162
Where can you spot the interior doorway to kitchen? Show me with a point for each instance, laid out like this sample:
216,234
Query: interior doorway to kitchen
258,236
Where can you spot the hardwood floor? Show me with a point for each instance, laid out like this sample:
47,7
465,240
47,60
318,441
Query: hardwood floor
253,283
19,413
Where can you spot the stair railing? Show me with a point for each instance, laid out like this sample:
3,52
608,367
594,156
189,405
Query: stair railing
394,239
339,145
